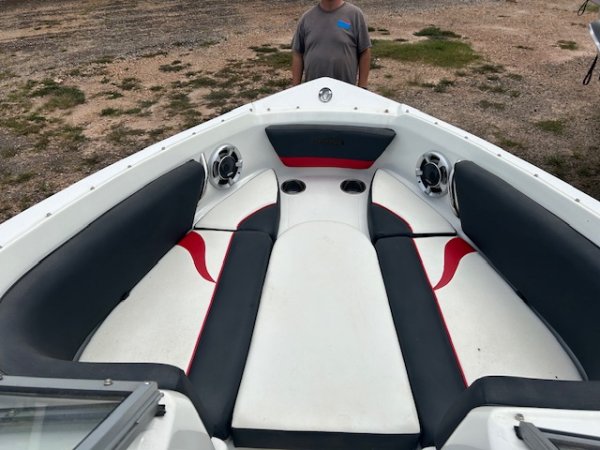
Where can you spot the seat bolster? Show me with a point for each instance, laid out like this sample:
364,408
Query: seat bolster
522,392
433,370
218,364
265,220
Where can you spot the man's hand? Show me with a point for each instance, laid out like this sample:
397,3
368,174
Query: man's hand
297,68
364,66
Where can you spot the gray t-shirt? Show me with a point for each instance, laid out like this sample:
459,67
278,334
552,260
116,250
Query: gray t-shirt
331,42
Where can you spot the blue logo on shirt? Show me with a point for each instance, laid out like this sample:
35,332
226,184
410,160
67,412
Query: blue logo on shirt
343,24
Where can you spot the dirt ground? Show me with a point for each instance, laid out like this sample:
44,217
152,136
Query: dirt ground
85,83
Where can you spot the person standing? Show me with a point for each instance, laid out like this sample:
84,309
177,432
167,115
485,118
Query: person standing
332,40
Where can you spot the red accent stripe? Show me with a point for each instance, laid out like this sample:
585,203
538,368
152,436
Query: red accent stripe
212,298
456,249
439,308
316,161
195,245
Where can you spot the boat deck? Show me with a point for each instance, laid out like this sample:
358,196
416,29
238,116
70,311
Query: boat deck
366,296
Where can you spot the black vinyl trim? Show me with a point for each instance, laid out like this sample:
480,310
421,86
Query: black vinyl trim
434,374
553,267
521,392
214,229
265,220
329,141
305,440
384,223
218,365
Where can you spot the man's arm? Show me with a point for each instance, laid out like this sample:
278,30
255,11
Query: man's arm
297,68
364,66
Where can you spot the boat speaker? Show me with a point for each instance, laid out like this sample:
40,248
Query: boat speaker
433,173
225,166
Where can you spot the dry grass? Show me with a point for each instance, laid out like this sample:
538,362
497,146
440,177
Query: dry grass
66,111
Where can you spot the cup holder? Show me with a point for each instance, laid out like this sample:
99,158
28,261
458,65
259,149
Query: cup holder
293,186
353,186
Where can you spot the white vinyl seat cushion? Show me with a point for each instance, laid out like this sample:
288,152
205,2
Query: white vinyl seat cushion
162,318
245,200
325,355
390,193
492,330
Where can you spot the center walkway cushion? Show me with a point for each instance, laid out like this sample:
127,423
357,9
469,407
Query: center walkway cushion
325,368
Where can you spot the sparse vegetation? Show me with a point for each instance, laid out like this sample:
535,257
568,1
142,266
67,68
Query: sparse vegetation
112,95
433,32
551,126
154,54
485,104
175,66
6,74
122,135
8,152
494,89
209,43
115,112
179,102
556,160
507,143
441,53
387,92
277,60
443,85
23,177
265,48
218,95
592,8
69,136
201,82
488,68
59,96
567,45
106,59
25,125
129,84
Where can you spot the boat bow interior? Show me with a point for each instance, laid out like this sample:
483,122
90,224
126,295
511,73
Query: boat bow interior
319,275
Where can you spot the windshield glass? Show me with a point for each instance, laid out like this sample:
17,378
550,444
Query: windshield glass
35,422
